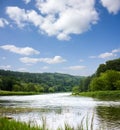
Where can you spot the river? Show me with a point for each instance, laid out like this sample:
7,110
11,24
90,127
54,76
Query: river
60,108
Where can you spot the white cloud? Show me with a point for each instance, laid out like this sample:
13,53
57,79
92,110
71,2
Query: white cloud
19,50
27,1
76,68
22,17
59,18
113,6
107,55
18,15
116,51
5,67
3,22
54,60
73,16
28,60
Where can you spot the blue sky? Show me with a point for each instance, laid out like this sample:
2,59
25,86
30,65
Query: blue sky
65,36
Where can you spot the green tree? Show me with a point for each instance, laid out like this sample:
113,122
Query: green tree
106,81
109,65
51,89
117,84
76,90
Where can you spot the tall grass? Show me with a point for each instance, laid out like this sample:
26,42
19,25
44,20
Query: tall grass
6,124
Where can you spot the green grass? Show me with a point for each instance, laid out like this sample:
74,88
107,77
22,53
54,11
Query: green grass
105,95
10,124
6,124
6,93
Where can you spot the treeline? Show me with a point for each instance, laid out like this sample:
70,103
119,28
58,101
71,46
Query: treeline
107,77
37,82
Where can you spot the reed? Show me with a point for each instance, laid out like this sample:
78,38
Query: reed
11,124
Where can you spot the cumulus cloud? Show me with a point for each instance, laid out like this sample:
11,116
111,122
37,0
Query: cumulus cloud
107,55
59,18
76,68
18,15
3,22
19,50
54,60
5,67
22,17
113,6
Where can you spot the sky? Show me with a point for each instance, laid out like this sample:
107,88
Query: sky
65,36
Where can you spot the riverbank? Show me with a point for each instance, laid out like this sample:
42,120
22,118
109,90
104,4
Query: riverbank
105,95
10,93
7,123
10,124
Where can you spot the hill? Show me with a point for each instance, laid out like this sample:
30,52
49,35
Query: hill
38,82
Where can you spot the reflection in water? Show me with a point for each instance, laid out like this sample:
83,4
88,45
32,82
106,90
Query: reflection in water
109,117
61,108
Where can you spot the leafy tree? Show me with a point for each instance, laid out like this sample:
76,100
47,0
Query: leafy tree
51,89
109,65
101,69
76,90
106,81
117,84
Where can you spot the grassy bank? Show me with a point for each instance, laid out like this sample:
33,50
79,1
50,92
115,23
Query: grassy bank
6,124
10,124
106,95
6,93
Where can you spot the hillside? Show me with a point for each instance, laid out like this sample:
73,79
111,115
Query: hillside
39,82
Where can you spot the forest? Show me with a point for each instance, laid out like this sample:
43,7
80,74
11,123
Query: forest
106,77
37,82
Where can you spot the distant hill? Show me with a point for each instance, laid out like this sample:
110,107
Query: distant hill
40,82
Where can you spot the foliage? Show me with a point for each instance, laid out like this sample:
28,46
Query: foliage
107,77
37,82
110,65
110,80
104,95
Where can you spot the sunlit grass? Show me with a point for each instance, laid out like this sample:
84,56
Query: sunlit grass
105,95
11,124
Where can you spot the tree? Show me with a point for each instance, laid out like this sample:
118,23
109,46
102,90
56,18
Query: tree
51,89
106,81
101,69
117,84
76,90
109,65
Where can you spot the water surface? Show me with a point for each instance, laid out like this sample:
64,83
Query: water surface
62,108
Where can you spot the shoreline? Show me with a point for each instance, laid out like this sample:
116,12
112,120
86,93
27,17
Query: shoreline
105,95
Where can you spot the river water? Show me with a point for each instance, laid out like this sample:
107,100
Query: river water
60,108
